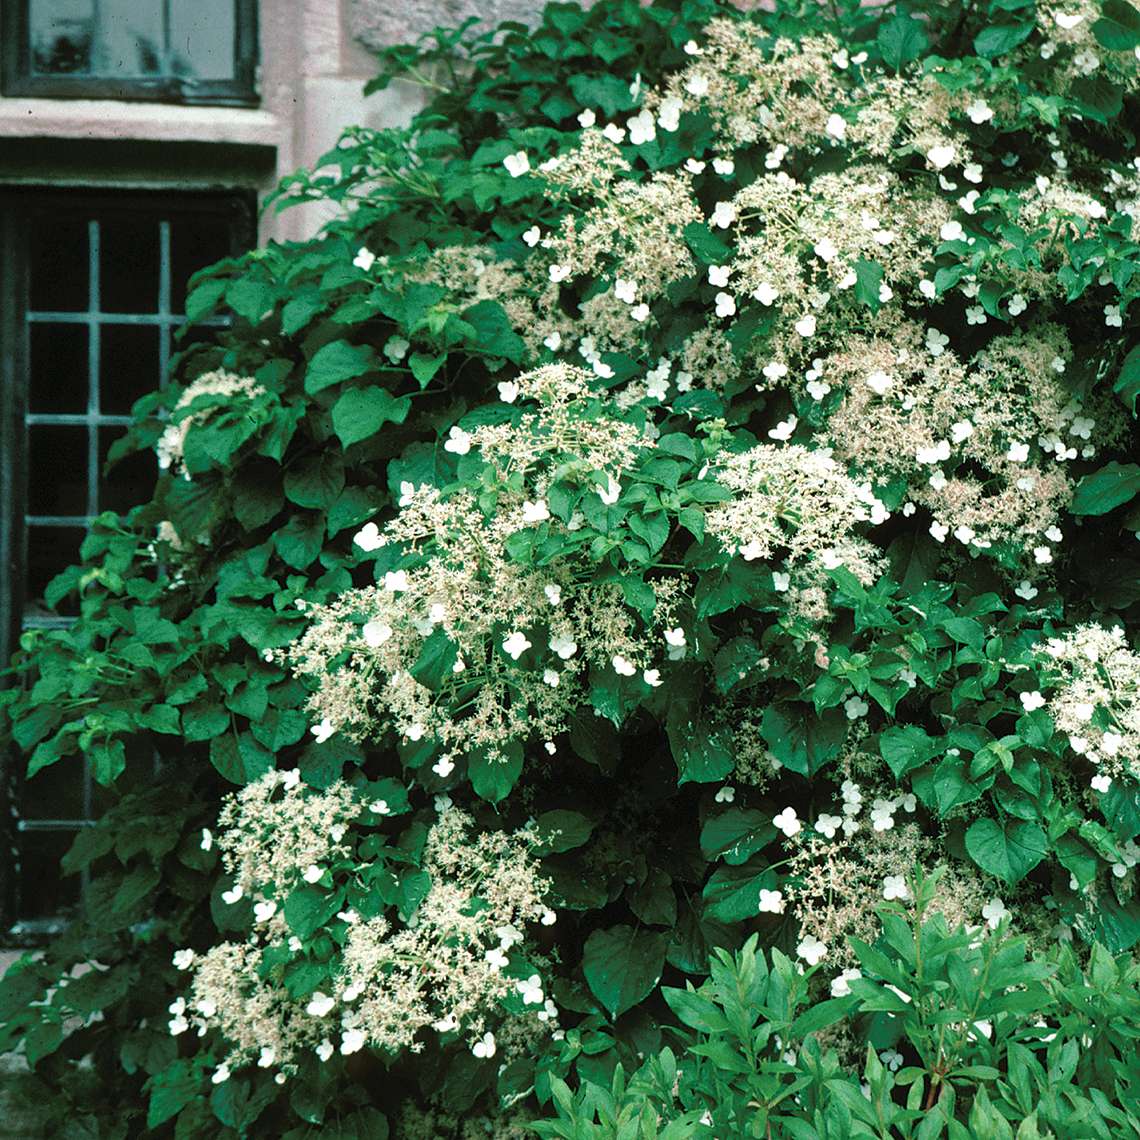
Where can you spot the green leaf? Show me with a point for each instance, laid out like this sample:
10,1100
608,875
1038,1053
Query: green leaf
868,278
1097,97
360,413
1127,385
703,752
252,300
299,540
425,365
240,761
707,248
307,909
493,777
1106,489
736,835
622,965
998,39
907,748
434,664
495,335
802,741
901,40
1008,852
316,480
1119,28
171,1090
336,362
562,830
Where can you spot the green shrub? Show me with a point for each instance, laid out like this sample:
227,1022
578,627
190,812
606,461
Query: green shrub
689,488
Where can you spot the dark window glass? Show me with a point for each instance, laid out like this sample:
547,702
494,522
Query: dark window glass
45,892
50,551
128,365
130,263
59,365
57,257
57,470
196,242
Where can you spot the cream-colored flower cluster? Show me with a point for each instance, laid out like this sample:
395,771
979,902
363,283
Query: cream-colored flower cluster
210,393
799,508
448,968
485,609
1094,698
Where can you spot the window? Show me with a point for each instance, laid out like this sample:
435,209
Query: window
94,290
183,51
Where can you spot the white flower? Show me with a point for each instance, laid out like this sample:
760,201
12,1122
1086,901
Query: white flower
1042,555
723,166
376,633
718,275
517,163
183,959
266,1057
692,48
559,273
805,326
364,259
993,912
515,645
781,582
892,1058
508,391
264,911
725,795
496,959
396,348
826,250
642,128
828,825
1018,452
352,1041
485,1046
640,312
972,172
775,370
312,873
939,531
1025,589
221,1075
841,985
964,534
325,1050
1068,22
975,315
879,382
1100,783
553,341
697,84
723,215
784,430
320,1005
694,166
1032,701
625,289
771,902
669,113
368,538
623,667
614,133
894,887
675,637
611,493
961,431
535,512
564,646
652,677
951,231
882,815
380,807
836,127
458,441
1017,305
551,677
1083,711
1112,316
601,368
856,707
940,157
811,950
765,293
207,839
531,990
395,581
532,236
321,732
725,305
443,767
177,1024
787,822
979,112
1110,743
587,118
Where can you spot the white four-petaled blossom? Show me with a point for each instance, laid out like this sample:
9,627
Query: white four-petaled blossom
515,644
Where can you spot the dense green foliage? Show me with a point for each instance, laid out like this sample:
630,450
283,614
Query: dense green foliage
860,649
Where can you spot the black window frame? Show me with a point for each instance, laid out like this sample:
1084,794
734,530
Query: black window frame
18,80
18,204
